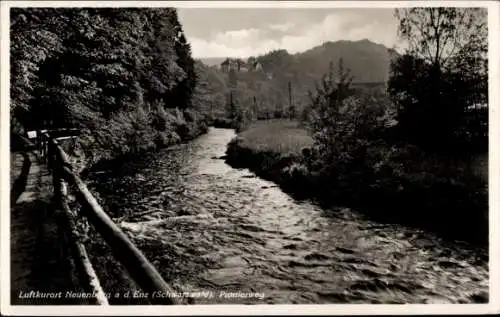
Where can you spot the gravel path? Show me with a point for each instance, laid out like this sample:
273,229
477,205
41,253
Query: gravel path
39,269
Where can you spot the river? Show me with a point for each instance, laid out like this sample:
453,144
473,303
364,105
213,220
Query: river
209,227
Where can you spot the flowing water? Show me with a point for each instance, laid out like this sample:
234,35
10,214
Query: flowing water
209,227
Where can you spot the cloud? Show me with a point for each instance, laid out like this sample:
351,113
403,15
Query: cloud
296,37
281,27
238,38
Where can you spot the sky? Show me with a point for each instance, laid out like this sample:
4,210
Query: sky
237,32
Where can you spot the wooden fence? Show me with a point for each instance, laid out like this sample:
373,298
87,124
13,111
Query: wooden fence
137,265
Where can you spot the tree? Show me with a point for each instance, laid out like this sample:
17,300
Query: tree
291,107
346,129
74,65
182,94
329,96
232,78
210,92
441,73
437,35
251,63
232,108
276,60
35,36
164,70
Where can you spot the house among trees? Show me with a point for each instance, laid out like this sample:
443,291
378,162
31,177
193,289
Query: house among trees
224,66
257,66
254,64
232,64
239,65
244,67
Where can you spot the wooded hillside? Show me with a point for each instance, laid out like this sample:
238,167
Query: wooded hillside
286,79
124,76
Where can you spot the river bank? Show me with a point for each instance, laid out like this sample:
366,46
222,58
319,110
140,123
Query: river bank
429,194
87,157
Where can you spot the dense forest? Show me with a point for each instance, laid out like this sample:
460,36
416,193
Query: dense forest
125,77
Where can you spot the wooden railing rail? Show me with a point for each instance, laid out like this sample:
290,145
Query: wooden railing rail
137,265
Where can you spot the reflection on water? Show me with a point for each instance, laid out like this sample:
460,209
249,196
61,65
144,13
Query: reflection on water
207,226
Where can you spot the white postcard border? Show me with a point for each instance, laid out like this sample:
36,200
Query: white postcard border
325,309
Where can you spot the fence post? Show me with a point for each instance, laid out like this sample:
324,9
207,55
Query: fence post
38,146
61,216
55,166
43,151
47,149
44,147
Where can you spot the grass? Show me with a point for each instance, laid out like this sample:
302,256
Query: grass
268,147
279,136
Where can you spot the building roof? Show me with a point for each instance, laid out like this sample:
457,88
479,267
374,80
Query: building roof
232,61
241,63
